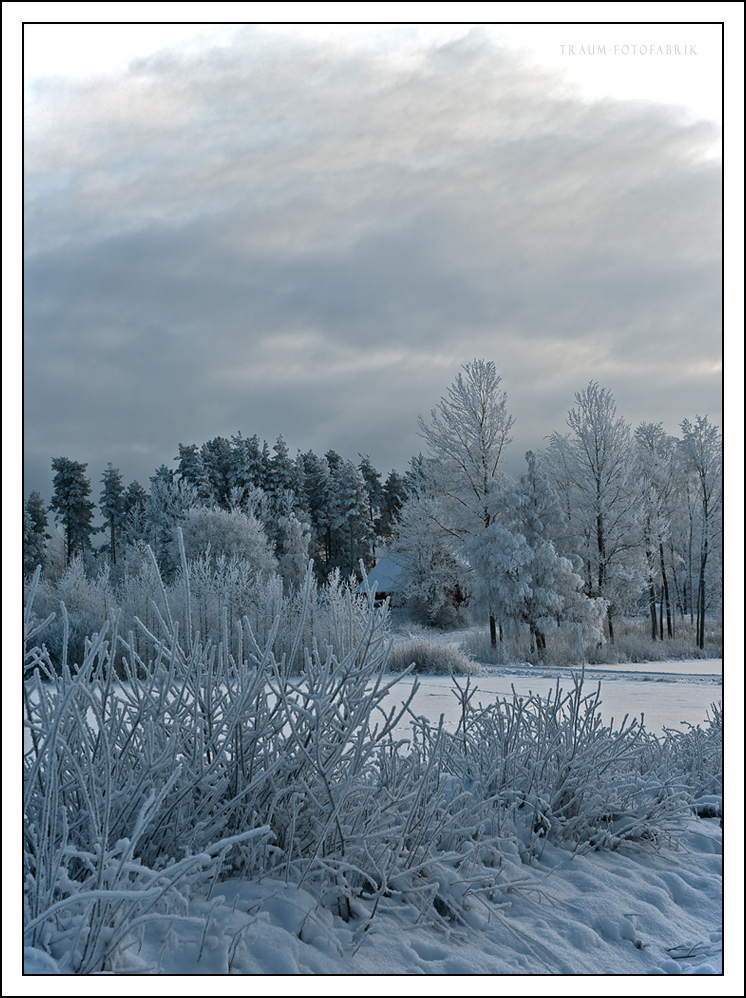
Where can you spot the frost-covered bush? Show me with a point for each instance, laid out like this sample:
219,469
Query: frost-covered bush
437,658
560,773
87,602
232,534
207,763
692,758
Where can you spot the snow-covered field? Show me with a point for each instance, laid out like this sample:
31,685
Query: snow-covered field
668,694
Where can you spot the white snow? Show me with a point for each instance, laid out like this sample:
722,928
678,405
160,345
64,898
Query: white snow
635,911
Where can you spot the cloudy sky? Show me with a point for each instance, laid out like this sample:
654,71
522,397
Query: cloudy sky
306,230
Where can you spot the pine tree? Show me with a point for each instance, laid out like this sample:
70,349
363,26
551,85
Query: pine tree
165,507
135,502
280,472
193,471
351,530
113,507
318,481
71,505
35,534
245,464
216,456
394,496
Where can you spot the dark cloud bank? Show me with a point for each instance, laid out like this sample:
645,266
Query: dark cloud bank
288,239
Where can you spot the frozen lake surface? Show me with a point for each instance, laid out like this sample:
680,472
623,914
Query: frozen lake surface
669,694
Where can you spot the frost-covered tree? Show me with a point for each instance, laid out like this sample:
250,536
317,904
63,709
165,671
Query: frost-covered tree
467,434
593,469
245,469
349,518
71,505
35,534
434,581
216,456
135,501
228,533
192,470
555,592
501,561
374,489
280,471
394,497
655,459
702,449
293,548
113,507
164,509
318,483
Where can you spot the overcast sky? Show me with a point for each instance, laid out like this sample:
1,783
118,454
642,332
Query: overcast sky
307,231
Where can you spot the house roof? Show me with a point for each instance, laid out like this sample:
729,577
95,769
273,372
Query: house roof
385,575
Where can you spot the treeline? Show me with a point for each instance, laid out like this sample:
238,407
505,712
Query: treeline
605,523
326,508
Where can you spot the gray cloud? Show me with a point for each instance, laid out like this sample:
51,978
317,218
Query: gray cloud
286,239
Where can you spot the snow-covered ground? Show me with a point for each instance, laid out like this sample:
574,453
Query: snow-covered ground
636,911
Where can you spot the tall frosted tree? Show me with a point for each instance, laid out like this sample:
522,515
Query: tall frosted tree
349,517
192,470
655,454
245,468
135,503
35,534
71,505
113,507
702,449
164,509
554,592
467,434
318,484
280,470
394,497
593,469
216,456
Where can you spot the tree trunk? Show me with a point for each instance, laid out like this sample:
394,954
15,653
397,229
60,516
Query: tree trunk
651,605
493,631
661,615
701,605
691,574
666,596
677,591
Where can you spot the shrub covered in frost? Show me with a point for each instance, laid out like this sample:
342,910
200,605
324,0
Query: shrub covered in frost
217,759
430,656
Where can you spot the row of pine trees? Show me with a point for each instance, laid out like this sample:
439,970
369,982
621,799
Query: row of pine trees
325,507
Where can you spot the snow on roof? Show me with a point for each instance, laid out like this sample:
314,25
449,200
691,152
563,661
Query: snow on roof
385,575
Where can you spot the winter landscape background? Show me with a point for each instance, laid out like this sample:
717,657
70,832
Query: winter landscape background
440,256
